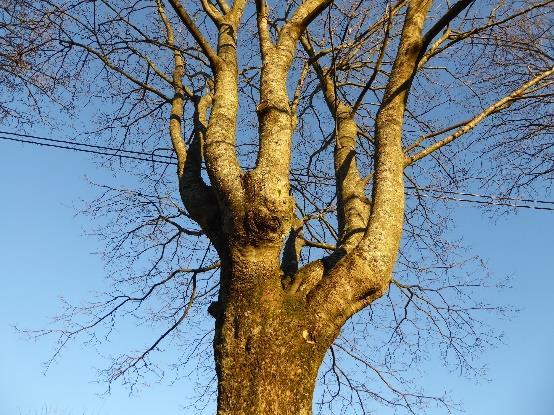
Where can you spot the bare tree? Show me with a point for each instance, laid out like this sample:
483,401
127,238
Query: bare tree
298,128
24,36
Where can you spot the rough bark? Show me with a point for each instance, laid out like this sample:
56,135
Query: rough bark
266,358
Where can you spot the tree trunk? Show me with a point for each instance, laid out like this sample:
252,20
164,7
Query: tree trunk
265,377
267,360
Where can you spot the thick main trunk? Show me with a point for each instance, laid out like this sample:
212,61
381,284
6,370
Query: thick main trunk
266,377
266,357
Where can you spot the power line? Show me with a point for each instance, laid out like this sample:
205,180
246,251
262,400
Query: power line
155,158
80,144
493,199
488,202
499,198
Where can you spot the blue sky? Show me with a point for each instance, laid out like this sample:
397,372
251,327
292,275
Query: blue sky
45,255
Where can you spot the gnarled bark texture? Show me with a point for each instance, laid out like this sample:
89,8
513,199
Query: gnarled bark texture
267,357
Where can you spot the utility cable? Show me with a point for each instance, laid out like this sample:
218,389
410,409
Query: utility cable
71,146
499,198
81,144
488,202
163,159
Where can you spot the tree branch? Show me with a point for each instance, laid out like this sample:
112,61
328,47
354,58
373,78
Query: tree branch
263,31
443,22
212,11
177,102
471,124
117,69
196,34
363,274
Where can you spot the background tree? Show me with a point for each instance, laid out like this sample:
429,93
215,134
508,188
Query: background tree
298,128
25,35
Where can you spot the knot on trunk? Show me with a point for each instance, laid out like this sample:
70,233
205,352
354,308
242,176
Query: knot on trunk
261,223
267,211
265,105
